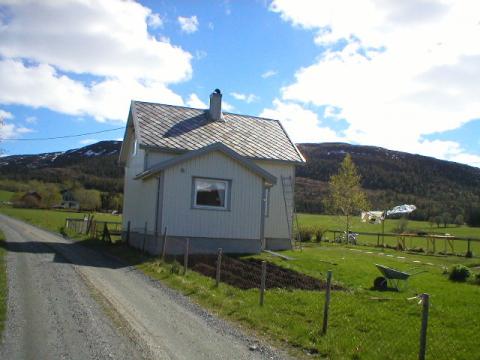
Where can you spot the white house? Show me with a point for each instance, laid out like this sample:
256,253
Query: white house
222,180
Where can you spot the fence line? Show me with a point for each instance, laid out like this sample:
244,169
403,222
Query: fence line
432,241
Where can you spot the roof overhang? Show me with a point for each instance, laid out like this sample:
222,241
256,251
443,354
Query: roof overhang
247,163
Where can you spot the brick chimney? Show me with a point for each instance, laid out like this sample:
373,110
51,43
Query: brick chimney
215,110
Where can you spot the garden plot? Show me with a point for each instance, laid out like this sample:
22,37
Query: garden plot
246,274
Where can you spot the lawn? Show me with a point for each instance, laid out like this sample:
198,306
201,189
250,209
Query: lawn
5,195
332,222
3,284
363,323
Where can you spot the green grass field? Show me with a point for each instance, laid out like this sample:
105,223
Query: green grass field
3,284
363,323
5,195
52,220
332,222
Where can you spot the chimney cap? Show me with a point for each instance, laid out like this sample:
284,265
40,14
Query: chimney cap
217,91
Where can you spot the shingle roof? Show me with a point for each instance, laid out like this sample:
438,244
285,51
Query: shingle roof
181,128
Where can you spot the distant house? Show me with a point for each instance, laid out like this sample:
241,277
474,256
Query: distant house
69,204
68,201
222,180
31,199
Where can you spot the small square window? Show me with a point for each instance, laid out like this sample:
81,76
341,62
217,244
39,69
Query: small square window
210,193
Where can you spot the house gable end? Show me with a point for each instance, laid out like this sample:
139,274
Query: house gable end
248,164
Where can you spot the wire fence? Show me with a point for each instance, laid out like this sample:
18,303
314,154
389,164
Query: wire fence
422,243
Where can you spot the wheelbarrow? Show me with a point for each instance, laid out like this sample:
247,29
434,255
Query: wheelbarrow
392,278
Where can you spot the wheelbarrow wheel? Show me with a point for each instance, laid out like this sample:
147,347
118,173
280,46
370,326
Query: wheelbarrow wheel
380,283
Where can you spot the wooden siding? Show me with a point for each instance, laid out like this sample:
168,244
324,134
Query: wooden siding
243,219
276,222
139,200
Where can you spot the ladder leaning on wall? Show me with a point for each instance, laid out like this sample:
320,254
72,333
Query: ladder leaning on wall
291,214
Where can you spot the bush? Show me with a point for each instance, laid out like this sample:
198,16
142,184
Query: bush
306,233
459,273
477,279
319,232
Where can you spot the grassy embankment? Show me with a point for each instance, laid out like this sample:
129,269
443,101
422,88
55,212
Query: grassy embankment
3,284
364,324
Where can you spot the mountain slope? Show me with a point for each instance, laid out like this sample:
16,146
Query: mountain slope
94,166
390,178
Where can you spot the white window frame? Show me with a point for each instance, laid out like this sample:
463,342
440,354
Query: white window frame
227,183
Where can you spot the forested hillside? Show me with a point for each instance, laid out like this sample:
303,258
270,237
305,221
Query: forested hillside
390,178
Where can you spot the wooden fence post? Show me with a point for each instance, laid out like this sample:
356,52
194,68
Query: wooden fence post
262,282
327,302
164,250
219,264
423,329
469,251
128,233
185,256
144,237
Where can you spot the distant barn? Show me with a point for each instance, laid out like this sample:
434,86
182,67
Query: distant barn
222,180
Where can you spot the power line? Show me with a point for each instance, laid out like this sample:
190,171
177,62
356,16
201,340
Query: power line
64,136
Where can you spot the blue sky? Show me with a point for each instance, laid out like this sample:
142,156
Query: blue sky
402,75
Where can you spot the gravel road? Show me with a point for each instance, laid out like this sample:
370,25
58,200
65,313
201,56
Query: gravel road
70,302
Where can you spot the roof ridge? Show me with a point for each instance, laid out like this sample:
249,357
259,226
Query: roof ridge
192,108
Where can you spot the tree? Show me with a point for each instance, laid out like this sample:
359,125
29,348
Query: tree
446,219
88,199
50,195
431,221
459,220
438,220
345,193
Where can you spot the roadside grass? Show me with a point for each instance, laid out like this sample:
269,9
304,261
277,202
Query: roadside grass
363,323
3,284
333,222
52,220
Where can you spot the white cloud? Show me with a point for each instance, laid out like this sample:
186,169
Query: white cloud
43,42
248,98
188,25
301,124
5,115
409,69
11,131
269,73
195,102
88,141
31,120
227,106
154,20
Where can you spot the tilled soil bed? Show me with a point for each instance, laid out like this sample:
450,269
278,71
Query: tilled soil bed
246,274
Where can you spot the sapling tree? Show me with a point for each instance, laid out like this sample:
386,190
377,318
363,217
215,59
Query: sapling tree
345,192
